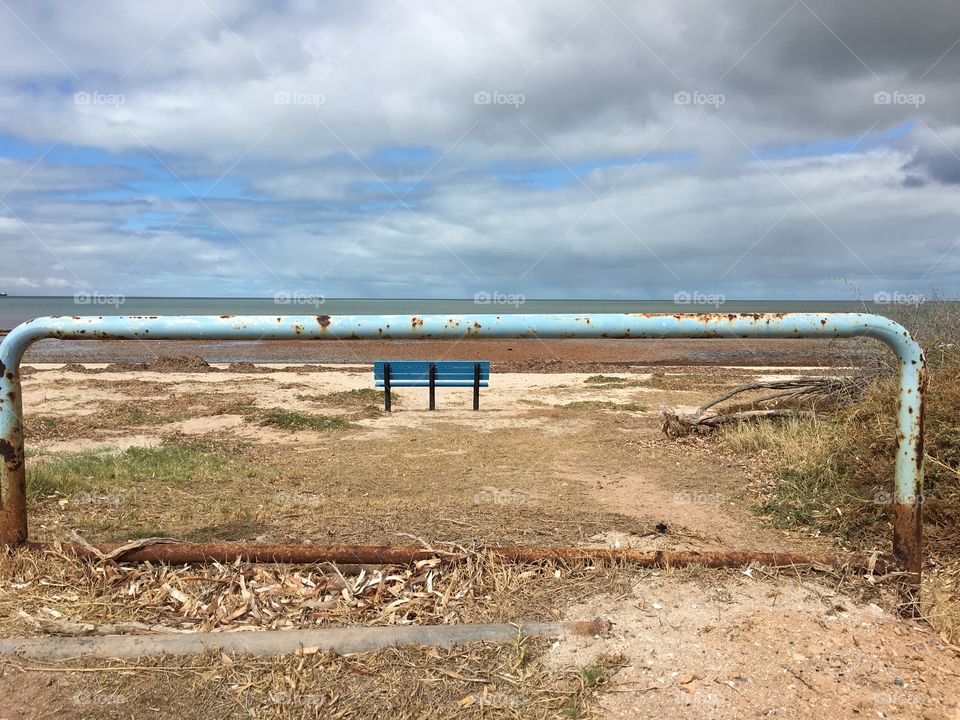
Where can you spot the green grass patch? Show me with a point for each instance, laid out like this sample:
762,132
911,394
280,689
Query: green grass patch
612,381
174,464
592,680
358,395
356,398
289,420
593,675
834,474
816,497
605,380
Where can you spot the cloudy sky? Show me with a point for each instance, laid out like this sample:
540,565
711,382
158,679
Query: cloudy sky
596,149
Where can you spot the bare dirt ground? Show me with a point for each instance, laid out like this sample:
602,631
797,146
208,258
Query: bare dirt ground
560,458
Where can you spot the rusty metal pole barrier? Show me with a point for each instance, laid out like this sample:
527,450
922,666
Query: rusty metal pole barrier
908,478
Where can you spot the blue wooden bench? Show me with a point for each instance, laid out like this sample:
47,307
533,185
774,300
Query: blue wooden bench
426,373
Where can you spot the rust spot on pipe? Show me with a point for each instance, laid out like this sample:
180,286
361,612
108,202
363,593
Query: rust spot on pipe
908,550
11,458
591,628
416,322
324,321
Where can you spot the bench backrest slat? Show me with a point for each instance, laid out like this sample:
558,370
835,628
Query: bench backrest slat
416,373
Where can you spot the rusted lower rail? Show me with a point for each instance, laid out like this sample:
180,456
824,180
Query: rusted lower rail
908,478
182,553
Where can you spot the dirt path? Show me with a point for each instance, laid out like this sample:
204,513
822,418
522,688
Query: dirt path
726,645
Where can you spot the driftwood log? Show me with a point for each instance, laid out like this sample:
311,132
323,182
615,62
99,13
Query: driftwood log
778,399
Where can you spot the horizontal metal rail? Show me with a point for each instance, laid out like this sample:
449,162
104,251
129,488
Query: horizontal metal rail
175,553
908,478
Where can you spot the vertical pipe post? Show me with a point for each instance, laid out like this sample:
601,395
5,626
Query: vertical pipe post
908,481
476,386
433,386
386,388
13,486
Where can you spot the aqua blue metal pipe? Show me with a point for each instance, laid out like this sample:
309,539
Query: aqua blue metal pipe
909,463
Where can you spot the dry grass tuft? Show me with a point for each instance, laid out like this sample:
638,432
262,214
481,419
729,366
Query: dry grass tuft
834,474
940,600
55,594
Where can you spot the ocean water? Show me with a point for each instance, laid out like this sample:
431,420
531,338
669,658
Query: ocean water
15,310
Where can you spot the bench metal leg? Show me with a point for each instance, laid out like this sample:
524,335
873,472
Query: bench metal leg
476,386
386,387
433,386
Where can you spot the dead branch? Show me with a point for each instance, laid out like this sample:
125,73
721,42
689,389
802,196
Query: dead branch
792,398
